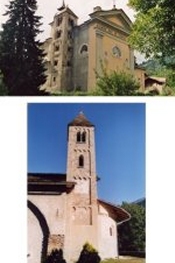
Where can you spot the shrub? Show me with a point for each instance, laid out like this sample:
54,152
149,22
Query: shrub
56,256
89,254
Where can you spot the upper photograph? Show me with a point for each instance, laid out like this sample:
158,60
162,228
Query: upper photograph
87,48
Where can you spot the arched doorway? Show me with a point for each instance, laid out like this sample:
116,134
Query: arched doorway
38,233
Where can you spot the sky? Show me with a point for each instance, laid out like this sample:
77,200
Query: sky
120,144
47,10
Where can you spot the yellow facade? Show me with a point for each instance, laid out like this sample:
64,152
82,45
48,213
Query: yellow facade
104,37
108,45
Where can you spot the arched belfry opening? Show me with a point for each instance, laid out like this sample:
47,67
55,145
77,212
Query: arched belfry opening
81,137
78,136
84,136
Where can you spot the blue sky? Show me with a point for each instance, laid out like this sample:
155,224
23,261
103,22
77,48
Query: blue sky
120,144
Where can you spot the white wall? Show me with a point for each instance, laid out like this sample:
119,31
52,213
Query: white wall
35,237
107,235
53,207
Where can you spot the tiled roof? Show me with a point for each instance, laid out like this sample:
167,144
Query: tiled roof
118,213
46,177
45,183
81,120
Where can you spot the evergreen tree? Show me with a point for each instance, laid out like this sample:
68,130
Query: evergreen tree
21,56
56,256
3,89
89,254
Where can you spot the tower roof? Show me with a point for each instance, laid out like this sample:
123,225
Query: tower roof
81,120
64,8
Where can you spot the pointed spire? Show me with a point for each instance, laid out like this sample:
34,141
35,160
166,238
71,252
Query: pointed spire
62,7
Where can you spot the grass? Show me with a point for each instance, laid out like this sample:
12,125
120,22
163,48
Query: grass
125,260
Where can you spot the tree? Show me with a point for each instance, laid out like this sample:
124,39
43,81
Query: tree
132,233
56,256
88,254
21,56
115,84
3,89
153,31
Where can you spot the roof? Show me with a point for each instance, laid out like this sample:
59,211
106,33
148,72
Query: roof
119,214
81,120
48,183
156,79
64,9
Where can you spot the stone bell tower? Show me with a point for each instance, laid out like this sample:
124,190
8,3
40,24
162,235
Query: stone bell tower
61,49
81,170
81,160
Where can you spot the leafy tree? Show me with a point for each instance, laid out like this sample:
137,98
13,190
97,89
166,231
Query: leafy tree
89,254
153,30
132,233
116,84
21,56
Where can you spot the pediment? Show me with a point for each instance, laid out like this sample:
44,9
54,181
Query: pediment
114,17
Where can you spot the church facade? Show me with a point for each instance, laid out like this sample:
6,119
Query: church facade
64,211
75,54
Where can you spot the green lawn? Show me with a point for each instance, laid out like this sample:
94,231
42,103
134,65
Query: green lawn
125,260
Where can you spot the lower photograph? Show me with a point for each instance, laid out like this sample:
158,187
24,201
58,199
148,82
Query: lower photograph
86,182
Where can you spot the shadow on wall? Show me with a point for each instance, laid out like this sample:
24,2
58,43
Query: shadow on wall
44,228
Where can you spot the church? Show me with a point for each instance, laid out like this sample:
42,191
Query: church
76,54
64,211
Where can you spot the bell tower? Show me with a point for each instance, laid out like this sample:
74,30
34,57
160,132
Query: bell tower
61,49
82,200
81,166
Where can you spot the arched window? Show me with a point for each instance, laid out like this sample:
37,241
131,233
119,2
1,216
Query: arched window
58,34
116,52
81,161
78,136
71,22
83,136
84,49
57,48
59,20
